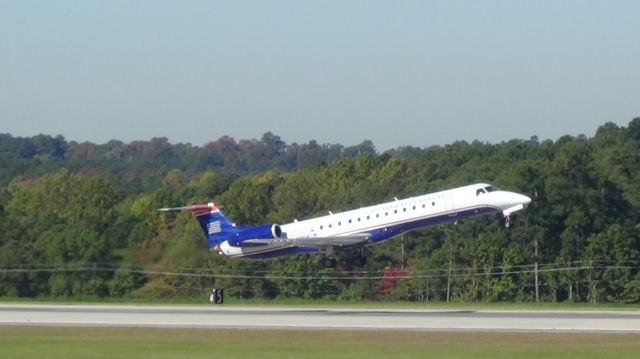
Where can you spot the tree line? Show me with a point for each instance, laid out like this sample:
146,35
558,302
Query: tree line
80,219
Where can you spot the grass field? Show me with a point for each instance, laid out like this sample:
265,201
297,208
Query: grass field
156,343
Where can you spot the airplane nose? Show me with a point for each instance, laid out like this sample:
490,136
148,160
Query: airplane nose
525,200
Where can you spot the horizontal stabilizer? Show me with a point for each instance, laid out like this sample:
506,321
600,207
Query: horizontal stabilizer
196,209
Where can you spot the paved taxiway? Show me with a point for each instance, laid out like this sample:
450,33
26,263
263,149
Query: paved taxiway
317,318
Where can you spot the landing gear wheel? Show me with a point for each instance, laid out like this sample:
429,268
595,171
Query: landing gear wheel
360,261
330,262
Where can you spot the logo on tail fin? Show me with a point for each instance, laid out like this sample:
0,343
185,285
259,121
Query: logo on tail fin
215,227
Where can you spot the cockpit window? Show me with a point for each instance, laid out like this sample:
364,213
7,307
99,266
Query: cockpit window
486,189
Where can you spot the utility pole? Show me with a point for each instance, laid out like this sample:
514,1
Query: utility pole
570,284
592,294
402,248
449,275
427,290
95,271
535,244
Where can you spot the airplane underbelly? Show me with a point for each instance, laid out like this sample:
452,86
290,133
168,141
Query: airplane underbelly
262,252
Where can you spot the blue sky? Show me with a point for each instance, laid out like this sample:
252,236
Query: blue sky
414,73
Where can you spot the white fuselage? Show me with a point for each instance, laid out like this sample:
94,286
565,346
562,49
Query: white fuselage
389,219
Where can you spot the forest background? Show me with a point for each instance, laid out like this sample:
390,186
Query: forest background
81,219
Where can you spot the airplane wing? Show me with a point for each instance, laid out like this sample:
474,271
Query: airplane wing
313,241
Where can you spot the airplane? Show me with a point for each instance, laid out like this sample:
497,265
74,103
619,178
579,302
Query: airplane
351,229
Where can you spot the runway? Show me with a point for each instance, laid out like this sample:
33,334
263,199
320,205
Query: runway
316,318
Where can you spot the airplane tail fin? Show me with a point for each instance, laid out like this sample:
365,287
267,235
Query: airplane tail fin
215,226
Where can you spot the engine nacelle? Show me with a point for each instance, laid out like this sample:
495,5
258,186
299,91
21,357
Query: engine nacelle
265,231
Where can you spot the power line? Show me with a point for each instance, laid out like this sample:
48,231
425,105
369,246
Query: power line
376,275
